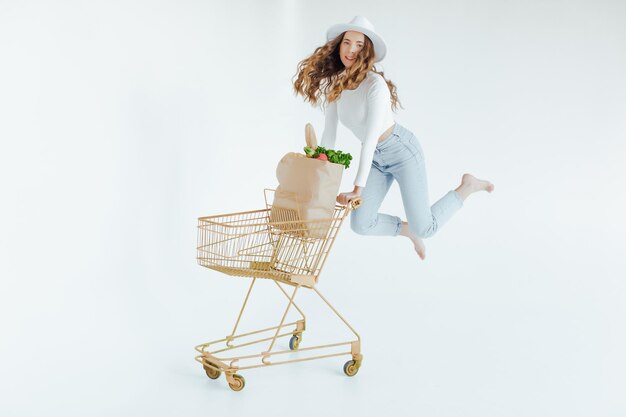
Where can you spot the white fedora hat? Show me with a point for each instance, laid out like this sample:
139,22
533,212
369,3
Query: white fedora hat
360,24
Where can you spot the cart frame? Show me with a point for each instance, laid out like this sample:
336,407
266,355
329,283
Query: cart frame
272,243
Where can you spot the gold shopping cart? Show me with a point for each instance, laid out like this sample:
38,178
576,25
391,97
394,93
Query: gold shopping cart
272,243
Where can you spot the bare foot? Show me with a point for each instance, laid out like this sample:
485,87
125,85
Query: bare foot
419,246
418,243
470,184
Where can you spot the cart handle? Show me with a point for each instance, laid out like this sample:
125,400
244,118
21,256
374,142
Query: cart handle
355,202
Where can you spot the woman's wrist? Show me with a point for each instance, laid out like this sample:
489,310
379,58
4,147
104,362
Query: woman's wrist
358,189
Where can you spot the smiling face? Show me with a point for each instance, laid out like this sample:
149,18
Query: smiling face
351,45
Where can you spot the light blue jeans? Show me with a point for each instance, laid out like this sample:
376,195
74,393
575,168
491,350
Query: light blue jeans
400,158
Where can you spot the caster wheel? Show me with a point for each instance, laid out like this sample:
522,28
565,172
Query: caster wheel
294,342
350,368
211,373
240,382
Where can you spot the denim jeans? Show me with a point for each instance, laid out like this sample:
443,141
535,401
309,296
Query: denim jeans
399,157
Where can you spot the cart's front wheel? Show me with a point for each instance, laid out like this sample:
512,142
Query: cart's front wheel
240,382
211,373
294,342
350,368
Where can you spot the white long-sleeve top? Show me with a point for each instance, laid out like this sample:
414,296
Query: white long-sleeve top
366,111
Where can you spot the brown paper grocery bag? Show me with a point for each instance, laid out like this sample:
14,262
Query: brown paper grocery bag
307,190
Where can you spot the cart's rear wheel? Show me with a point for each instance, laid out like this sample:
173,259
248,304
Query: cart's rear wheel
294,342
211,373
350,368
240,382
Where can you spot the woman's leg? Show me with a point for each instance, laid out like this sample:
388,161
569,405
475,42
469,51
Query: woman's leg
469,185
366,220
423,220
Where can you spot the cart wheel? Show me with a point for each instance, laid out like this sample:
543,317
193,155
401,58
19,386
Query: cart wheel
211,373
240,382
350,368
294,342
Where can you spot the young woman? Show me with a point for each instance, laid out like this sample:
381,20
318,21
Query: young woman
343,72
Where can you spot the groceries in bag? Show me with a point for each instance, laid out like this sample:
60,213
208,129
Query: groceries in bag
308,188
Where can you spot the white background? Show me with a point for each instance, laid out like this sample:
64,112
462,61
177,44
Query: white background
121,122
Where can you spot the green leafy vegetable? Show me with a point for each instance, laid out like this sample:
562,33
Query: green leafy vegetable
309,152
334,156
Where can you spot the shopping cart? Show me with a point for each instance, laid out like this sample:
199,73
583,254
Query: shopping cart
275,244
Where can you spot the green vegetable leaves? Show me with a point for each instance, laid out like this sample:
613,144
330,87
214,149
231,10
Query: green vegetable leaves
336,157
309,152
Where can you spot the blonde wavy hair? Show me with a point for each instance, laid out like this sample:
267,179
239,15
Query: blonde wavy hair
322,74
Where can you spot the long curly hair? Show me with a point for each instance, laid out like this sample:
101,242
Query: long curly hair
323,75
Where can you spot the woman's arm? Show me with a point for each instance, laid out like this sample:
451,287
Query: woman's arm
378,102
329,136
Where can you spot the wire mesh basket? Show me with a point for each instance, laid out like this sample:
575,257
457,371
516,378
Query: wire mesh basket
273,243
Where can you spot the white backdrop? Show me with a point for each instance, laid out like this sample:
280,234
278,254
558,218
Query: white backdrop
121,122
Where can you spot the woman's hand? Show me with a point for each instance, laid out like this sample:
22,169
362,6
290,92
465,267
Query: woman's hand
344,198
